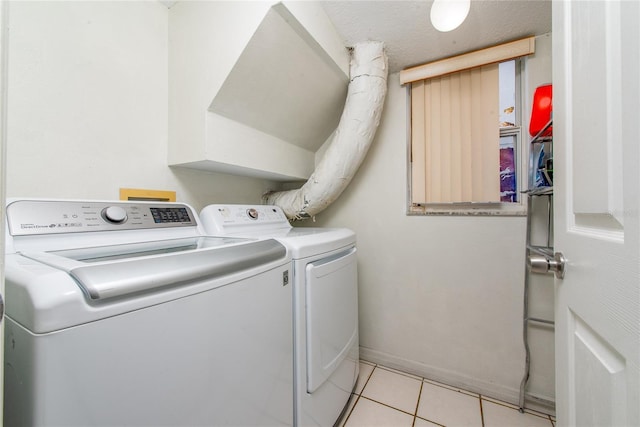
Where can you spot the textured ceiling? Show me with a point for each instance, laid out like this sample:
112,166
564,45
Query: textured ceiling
410,38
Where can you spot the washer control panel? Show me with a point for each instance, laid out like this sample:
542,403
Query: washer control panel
29,217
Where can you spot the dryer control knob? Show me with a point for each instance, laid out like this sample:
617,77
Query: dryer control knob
253,213
114,214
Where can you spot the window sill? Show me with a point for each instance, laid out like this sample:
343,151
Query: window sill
469,209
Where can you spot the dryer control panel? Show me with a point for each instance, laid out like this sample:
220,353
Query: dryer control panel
228,219
34,217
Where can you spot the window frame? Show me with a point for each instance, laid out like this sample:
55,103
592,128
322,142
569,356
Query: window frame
479,208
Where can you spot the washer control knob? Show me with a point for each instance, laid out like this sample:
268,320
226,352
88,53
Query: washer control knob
115,214
253,213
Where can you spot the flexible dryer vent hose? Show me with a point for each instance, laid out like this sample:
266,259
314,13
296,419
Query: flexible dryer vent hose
351,140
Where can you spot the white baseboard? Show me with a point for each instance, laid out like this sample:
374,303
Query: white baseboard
455,379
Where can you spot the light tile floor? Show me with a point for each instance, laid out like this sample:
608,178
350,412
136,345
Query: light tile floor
386,397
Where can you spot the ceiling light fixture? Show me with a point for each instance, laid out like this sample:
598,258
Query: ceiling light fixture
447,15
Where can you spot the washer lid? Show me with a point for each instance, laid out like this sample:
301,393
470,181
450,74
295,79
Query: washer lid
114,271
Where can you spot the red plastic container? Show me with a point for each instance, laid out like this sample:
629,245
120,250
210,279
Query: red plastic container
541,110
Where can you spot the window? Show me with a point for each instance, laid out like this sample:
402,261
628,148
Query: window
465,133
509,84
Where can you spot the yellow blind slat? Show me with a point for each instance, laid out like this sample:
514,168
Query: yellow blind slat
434,175
465,136
418,158
490,134
455,162
476,103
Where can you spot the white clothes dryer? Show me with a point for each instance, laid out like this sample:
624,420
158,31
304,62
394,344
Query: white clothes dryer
325,304
123,313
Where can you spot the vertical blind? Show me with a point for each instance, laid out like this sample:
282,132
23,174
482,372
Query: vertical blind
455,137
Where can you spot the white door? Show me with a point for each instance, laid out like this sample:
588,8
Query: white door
4,8
596,77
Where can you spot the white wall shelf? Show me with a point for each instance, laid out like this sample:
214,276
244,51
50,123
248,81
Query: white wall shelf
253,92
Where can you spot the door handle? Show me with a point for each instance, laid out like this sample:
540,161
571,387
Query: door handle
542,264
1,308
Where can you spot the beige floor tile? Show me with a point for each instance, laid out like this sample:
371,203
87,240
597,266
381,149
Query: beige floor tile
393,389
363,377
449,407
502,416
347,412
424,423
390,396
499,402
368,413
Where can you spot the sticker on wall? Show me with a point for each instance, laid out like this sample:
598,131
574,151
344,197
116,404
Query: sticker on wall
147,195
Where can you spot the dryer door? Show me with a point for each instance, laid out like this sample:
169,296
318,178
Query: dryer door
332,315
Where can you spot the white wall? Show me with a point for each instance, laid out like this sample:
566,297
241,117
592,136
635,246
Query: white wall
88,106
88,89
440,296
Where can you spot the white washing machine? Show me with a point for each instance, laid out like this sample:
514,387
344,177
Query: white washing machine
124,314
326,304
